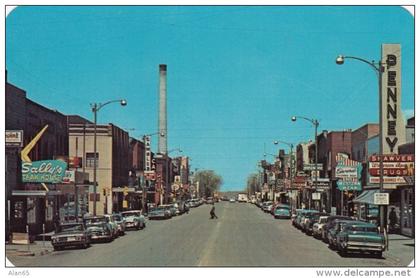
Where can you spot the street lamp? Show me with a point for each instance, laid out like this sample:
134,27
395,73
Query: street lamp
315,123
95,108
379,71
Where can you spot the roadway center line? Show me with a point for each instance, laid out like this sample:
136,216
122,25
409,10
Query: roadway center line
209,247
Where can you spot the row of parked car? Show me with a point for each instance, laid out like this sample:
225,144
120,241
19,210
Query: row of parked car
101,228
341,233
278,210
106,228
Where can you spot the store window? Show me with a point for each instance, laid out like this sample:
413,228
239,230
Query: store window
90,159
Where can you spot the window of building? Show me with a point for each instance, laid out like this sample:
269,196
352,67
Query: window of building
90,158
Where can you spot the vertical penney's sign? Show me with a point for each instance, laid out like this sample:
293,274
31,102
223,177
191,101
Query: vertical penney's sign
393,133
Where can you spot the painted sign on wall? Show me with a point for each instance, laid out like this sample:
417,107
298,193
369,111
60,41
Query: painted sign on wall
46,171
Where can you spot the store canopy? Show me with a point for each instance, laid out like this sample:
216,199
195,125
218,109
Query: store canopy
366,197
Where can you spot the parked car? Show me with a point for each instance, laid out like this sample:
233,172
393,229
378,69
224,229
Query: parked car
310,220
304,218
171,208
210,201
110,219
360,237
159,213
330,223
101,219
119,219
71,234
335,229
295,215
282,211
232,200
100,231
134,219
318,226
266,207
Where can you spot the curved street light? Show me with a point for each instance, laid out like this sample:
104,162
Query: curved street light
315,123
379,70
95,108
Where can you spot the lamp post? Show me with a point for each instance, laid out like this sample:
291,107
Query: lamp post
315,123
378,68
95,108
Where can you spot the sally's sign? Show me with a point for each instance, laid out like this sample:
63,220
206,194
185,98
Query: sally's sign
46,171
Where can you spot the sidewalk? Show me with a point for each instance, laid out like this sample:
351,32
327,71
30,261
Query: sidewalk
401,249
37,248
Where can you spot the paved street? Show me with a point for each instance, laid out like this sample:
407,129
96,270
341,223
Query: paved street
242,236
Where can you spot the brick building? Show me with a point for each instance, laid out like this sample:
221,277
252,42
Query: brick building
31,204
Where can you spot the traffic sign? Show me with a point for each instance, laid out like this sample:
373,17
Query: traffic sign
381,198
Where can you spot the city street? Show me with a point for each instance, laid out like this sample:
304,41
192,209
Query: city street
243,235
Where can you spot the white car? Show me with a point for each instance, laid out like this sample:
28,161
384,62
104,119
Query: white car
317,227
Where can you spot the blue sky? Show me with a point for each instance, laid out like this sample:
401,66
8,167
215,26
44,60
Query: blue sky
236,74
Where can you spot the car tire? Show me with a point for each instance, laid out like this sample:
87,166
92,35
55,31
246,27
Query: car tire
378,254
342,252
58,248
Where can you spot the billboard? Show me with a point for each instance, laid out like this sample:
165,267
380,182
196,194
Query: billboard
348,172
395,168
44,171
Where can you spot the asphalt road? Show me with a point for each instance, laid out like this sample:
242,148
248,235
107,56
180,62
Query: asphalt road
243,235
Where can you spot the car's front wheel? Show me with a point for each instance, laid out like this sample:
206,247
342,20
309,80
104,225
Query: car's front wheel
378,254
58,248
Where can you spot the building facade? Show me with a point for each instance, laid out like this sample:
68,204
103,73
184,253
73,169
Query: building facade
32,204
112,163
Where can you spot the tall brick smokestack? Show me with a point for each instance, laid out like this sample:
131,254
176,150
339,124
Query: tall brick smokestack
163,129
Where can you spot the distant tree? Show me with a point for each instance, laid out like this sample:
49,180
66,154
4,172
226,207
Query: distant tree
252,183
209,181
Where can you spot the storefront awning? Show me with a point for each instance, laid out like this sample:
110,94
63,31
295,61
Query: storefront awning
366,197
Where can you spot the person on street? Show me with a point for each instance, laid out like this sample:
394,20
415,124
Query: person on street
56,220
392,219
212,213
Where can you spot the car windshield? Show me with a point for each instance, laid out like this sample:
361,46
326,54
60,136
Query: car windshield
95,220
96,225
323,220
283,207
128,214
157,209
69,228
117,218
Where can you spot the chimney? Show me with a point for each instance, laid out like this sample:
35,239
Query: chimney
162,126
